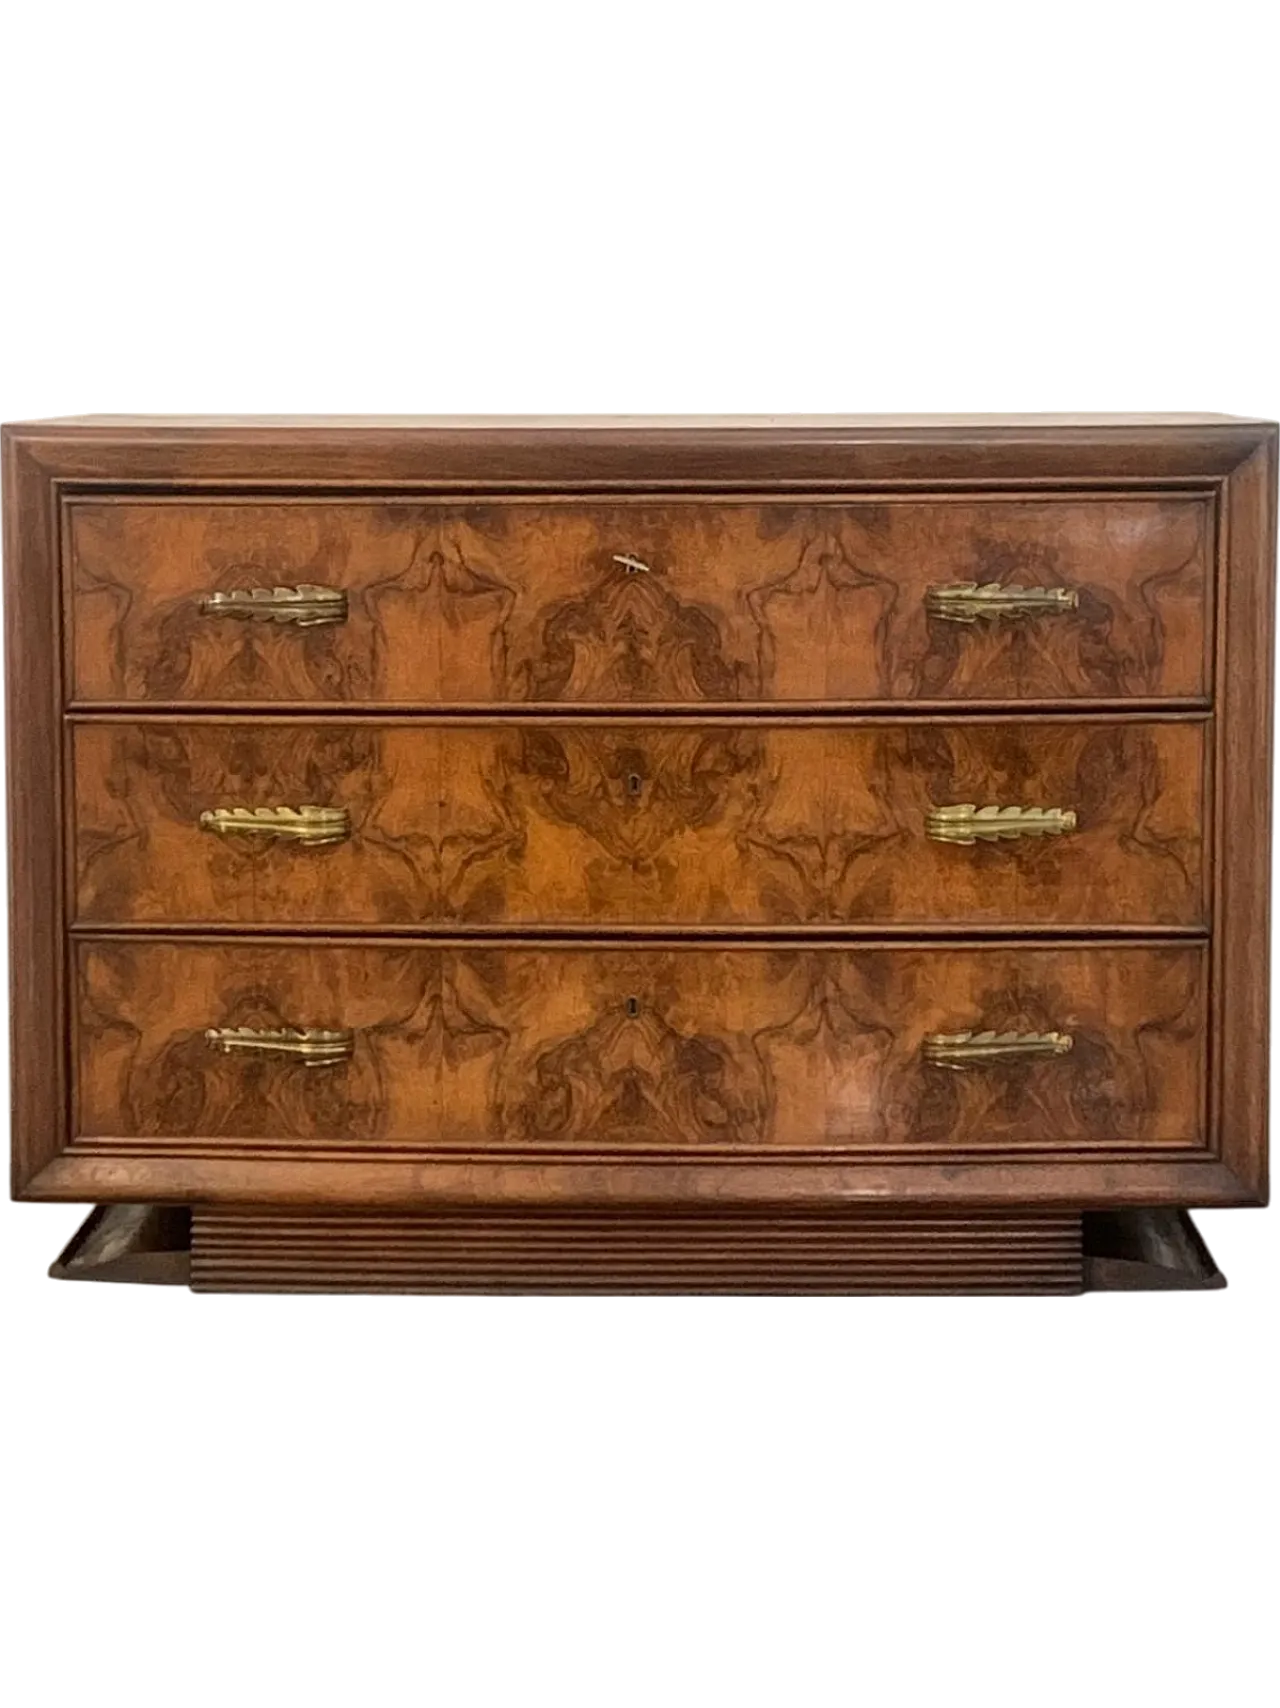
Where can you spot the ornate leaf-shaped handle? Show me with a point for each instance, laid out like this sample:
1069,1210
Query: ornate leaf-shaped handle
969,824
307,606
313,1045
989,601
962,1050
314,827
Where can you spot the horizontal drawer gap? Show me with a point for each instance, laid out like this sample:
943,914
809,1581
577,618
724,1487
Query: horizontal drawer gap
836,1156
656,937
643,492
722,935
621,489
705,712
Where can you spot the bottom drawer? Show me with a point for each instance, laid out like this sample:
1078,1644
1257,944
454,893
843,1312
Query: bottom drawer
462,1047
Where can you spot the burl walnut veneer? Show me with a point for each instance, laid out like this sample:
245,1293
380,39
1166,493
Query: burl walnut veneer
760,854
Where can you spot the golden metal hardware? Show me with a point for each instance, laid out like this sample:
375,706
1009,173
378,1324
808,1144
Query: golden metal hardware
632,565
972,602
969,824
308,606
962,1050
312,826
315,1048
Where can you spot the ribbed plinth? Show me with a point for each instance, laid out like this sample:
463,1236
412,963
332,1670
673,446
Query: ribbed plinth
597,1250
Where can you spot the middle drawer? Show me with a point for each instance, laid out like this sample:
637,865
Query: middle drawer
555,823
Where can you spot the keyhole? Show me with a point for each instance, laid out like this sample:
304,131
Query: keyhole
633,1008
634,783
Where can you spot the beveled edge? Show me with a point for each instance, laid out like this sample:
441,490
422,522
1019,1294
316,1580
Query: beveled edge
582,454
404,1183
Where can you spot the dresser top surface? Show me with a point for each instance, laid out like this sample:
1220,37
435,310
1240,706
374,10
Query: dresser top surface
823,426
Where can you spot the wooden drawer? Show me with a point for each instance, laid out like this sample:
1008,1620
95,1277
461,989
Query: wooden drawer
731,824
461,1047
672,601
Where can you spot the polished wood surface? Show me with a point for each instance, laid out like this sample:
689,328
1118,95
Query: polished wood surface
633,907
622,823
790,601
614,453
1244,729
38,1007
639,1048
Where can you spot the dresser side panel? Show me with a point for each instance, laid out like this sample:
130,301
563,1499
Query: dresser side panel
1244,701
34,760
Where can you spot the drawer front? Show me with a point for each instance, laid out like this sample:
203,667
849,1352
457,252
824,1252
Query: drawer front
673,602
619,824
624,1049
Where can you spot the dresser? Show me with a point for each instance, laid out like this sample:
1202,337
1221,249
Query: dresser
748,854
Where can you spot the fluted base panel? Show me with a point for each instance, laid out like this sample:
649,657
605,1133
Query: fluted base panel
590,1250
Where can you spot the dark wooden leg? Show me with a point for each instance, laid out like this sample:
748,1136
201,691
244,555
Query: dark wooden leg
1146,1251
130,1242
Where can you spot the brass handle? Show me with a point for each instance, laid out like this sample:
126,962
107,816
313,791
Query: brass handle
315,1047
988,601
632,565
962,1050
308,606
312,826
969,824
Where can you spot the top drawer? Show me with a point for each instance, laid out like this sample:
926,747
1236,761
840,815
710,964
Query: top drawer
661,601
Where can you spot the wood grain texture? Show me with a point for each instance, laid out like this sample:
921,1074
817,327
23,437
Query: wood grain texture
38,1010
584,453
1223,470
1244,728
742,1251
635,1049
745,824
513,603
110,1172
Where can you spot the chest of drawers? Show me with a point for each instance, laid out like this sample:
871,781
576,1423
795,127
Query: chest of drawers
785,854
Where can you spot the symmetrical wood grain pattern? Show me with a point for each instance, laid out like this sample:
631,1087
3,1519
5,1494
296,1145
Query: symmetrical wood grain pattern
623,1049
517,602
742,1251
559,824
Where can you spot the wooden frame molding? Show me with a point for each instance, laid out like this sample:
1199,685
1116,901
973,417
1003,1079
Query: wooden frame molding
621,453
